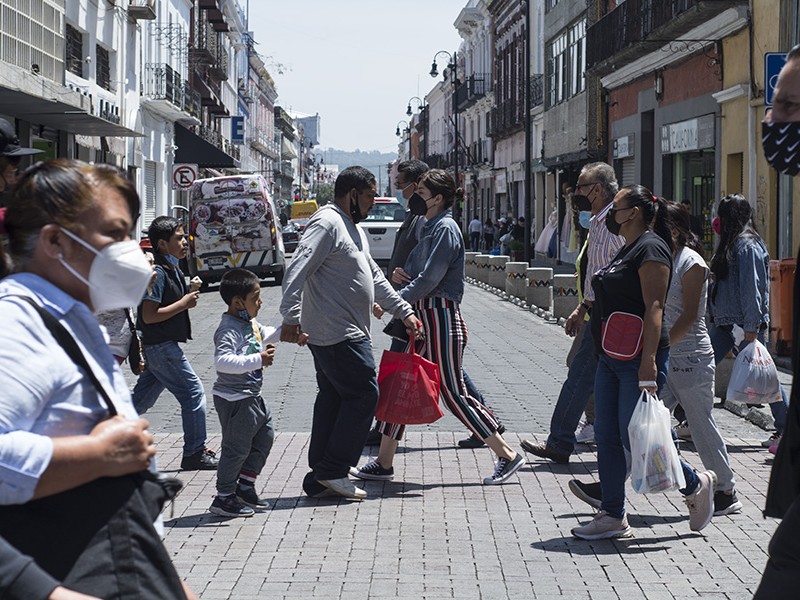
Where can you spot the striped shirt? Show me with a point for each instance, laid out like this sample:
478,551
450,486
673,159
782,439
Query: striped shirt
602,247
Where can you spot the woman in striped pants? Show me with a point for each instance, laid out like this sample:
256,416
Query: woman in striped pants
434,274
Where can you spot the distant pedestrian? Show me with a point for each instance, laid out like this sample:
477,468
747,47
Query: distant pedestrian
696,224
11,155
240,356
475,229
488,236
435,272
164,322
635,284
335,282
739,292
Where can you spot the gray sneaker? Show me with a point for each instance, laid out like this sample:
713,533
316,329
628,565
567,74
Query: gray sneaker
504,469
344,487
701,501
603,527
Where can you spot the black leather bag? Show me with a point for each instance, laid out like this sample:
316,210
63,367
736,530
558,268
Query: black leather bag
135,352
396,329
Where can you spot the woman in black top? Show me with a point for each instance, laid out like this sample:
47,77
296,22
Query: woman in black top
633,287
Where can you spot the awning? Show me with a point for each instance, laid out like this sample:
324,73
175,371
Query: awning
59,115
193,149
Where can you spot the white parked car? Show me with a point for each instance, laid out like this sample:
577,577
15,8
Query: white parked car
381,227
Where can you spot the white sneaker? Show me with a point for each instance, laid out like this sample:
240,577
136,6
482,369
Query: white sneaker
585,433
344,487
683,432
603,527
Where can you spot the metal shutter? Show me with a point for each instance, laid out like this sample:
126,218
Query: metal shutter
628,171
149,195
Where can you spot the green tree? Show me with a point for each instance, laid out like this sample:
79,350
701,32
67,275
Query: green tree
324,193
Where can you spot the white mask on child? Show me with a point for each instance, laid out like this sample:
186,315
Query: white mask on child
118,276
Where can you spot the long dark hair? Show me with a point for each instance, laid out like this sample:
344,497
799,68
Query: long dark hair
679,219
736,222
654,211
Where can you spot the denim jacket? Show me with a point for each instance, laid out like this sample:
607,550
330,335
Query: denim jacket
743,297
436,265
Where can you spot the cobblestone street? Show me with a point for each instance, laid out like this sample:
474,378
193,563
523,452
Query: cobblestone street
437,532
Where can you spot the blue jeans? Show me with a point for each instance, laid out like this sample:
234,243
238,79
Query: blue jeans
616,393
400,346
345,405
167,368
723,342
574,395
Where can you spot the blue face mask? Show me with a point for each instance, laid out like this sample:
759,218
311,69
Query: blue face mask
174,261
244,315
584,216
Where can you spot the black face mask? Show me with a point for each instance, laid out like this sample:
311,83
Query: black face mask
781,143
417,204
355,211
581,202
611,221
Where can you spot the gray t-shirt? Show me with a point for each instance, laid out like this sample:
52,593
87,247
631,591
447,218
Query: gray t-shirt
696,340
333,281
237,358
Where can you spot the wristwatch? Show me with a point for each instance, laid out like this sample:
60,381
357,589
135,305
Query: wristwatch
585,306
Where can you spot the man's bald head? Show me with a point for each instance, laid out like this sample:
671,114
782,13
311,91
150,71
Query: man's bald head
786,99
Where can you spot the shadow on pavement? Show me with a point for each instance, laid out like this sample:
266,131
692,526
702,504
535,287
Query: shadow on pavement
632,545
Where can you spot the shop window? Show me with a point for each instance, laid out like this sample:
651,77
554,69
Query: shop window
74,51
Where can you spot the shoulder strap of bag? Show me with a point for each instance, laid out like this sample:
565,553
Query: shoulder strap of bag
131,325
70,346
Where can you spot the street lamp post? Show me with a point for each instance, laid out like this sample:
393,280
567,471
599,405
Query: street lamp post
409,112
452,66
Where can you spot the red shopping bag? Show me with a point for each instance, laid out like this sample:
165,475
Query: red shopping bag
409,389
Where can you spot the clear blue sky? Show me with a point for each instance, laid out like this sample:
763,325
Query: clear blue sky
355,62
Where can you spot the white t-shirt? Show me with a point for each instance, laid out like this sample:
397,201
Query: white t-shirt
696,340
475,226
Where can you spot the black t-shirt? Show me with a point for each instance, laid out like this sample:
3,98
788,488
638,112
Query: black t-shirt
617,287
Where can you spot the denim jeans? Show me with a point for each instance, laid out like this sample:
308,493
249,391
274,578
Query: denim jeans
400,346
574,395
167,368
345,405
723,342
616,394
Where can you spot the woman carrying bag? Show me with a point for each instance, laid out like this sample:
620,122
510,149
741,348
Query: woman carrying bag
739,293
434,275
632,342
75,490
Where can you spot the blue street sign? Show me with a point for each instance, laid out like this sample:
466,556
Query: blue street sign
237,130
773,63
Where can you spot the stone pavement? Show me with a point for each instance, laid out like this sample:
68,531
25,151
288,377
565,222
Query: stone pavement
437,532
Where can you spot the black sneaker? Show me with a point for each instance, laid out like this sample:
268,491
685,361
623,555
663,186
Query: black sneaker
504,469
205,460
249,497
229,506
373,471
588,492
472,441
726,503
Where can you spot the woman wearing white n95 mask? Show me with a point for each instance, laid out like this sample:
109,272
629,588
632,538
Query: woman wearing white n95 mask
70,438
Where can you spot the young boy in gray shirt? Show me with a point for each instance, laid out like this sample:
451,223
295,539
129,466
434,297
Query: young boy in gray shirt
240,356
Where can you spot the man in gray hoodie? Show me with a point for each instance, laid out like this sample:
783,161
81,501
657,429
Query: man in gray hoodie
328,292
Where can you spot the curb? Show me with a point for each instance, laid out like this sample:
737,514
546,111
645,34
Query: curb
760,417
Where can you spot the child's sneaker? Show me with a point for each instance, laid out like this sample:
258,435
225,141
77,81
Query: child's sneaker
229,506
249,497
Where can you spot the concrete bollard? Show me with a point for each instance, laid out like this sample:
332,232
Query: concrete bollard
469,264
516,281
497,271
540,288
482,268
565,295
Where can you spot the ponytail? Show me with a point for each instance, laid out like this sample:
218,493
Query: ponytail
661,223
654,211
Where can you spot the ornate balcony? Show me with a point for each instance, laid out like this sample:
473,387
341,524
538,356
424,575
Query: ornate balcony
636,28
473,89
165,93
537,90
142,9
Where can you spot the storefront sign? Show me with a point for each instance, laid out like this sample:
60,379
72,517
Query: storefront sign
623,147
687,136
773,63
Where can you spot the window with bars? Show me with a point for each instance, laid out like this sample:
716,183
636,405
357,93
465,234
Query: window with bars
103,73
74,51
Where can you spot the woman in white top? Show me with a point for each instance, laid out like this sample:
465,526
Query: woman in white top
690,376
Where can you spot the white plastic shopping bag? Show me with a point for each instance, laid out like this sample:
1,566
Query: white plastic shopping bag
655,466
754,378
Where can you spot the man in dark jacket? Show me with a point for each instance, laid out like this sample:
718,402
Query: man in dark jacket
781,577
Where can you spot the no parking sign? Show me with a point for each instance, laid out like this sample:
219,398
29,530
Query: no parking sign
183,176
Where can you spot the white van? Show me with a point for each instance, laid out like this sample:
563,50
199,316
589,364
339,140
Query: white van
234,223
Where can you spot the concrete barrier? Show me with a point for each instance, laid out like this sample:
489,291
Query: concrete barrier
540,288
516,281
482,268
469,264
497,271
565,295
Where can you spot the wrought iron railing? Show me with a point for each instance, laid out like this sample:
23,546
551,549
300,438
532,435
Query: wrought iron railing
537,89
473,89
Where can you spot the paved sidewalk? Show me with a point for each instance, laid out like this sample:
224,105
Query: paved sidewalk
437,532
